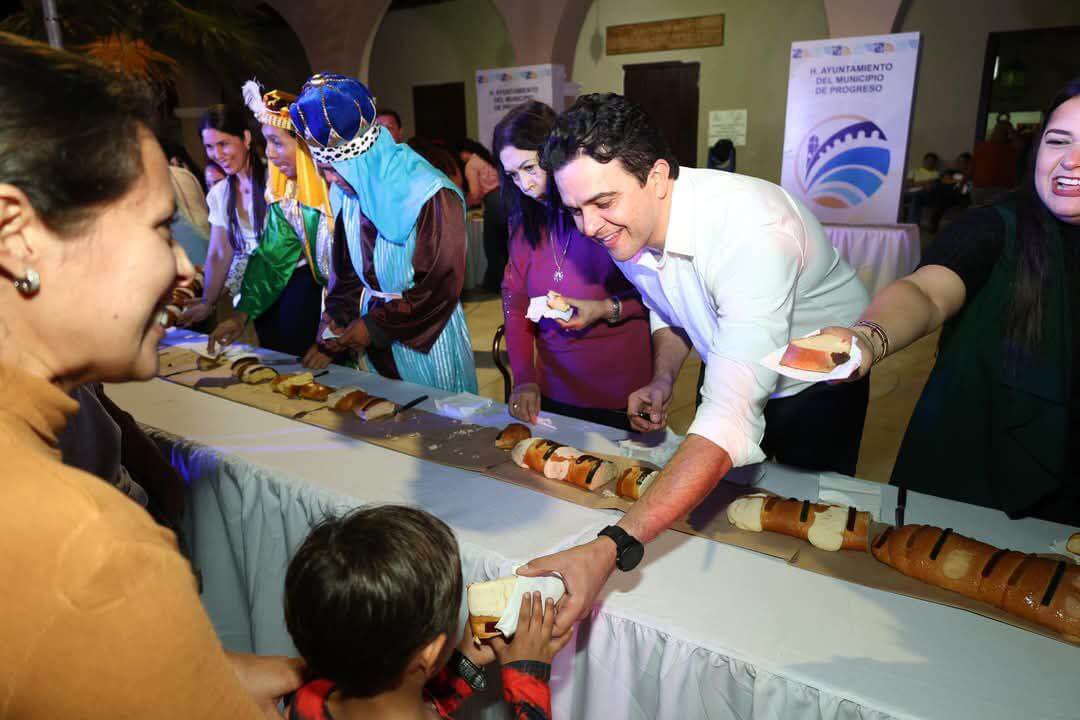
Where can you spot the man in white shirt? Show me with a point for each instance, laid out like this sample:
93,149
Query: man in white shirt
730,265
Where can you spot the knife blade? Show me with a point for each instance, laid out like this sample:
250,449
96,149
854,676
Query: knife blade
901,506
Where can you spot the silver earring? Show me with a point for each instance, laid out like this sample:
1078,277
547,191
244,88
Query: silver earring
28,284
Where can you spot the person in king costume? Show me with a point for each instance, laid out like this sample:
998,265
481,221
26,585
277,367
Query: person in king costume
282,289
399,242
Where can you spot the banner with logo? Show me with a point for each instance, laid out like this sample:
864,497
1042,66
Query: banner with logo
500,89
846,134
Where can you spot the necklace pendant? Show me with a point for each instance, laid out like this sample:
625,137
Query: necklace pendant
558,276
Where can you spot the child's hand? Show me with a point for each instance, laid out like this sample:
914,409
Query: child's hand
480,654
533,639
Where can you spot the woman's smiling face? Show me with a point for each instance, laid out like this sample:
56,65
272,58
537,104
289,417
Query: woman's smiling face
1057,164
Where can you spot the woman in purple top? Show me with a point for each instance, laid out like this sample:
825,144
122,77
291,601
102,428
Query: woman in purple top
587,366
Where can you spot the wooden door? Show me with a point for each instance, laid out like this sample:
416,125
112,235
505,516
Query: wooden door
668,92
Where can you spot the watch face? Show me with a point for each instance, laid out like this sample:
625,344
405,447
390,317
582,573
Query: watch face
630,556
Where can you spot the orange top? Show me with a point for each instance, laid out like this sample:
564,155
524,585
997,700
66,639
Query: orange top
100,617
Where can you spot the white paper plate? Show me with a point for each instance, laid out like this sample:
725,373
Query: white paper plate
840,372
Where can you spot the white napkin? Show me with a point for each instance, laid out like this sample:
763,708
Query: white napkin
772,361
657,452
549,586
328,334
538,308
838,489
463,405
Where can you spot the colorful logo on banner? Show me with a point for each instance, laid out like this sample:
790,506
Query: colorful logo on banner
842,161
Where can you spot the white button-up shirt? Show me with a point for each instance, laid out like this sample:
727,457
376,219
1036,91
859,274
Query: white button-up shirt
745,269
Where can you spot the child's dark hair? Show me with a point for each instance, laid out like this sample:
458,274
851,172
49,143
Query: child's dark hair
367,590
606,127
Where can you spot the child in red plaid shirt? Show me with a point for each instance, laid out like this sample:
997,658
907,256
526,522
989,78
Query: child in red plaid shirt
374,604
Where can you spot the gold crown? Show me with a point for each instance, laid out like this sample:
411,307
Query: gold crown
271,108
276,113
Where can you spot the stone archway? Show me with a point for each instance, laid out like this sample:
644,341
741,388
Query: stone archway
544,32
337,35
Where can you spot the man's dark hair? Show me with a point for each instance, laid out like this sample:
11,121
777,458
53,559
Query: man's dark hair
606,127
391,113
69,131
367,590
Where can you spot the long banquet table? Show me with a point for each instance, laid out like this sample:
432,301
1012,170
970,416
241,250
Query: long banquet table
700,630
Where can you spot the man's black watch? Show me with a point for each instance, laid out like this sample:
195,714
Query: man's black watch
628,549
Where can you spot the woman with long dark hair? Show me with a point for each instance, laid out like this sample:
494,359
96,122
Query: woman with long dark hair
237,207
998,423
102,616
585,367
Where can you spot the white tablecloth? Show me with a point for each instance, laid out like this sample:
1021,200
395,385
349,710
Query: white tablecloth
879,253
700,630
475,259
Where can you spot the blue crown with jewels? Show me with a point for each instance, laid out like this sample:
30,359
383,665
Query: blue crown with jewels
335,115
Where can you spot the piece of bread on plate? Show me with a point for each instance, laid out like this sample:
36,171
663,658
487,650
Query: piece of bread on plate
817,353
555,301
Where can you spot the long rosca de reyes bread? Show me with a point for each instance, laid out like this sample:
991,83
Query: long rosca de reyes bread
829,527
1039,589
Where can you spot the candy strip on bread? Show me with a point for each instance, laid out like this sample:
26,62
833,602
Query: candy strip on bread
1039,589
577,468
633,482
511,435
533,453
242,361
560,462
829,527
